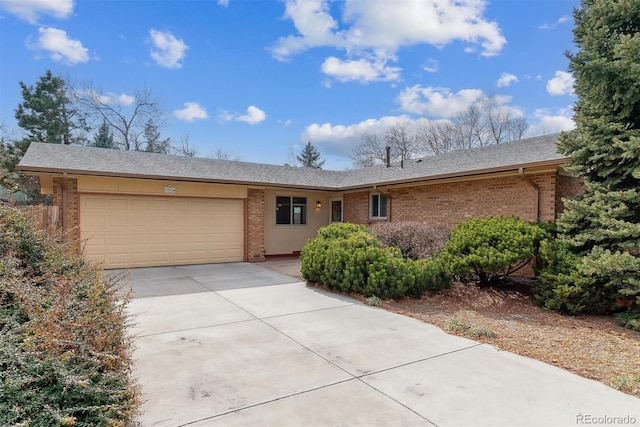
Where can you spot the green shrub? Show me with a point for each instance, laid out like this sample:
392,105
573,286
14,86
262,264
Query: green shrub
483,331
457,325
490,249
65,356
432,276
341,230
629,319
599,282
374,301
414,239
348,258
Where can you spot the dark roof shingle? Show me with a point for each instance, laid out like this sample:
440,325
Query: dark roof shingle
41,157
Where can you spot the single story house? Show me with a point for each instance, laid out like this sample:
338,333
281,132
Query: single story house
132,209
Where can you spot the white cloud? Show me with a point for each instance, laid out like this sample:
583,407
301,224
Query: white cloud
225,116
168,51
360,70
436,101
223,3
192,111
107,98
431,66
125,99
562,20
506,79
552,121
372,32
30,10
60,46
386,26
342,139
561,84
254,116
314,24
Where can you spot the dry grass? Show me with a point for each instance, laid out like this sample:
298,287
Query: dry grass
591,346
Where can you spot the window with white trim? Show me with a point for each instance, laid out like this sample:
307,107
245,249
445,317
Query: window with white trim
378,206
291,210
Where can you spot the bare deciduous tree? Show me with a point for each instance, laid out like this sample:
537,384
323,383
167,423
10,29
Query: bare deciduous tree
222,154
484,123
128,120
469,128
184,149
401,141
436,137
371,151
518,127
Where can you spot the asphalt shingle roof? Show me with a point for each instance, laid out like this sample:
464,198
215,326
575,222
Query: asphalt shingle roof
41,157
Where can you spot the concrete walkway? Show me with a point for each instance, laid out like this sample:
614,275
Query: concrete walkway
241,344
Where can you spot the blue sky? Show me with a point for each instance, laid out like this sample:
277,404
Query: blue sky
260,78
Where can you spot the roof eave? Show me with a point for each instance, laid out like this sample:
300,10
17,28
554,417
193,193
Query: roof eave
80,172
424,179
471,173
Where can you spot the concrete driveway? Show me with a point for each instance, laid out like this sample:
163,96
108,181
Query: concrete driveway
241,344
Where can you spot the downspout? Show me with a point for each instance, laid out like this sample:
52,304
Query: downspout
64,203
536,189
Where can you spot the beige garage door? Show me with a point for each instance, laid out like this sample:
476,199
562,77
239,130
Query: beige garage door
135,231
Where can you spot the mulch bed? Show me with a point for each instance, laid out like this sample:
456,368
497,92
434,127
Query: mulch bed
591,346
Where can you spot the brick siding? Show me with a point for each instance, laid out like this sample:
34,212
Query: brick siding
356,207
255,225
449,203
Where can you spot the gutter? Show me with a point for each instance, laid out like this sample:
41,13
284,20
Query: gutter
536,189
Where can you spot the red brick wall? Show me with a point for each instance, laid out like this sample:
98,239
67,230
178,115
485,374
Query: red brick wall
568,186
449,203
255,225
69,213
355,207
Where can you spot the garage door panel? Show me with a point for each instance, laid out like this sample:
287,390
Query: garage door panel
115,219
130,231
115,240
115,203
95,202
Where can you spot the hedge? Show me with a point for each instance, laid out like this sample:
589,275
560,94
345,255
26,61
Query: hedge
489,249
348,258
65,357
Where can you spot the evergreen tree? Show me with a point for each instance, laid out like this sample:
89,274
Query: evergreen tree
309,157
47,114
602,227
152,141
103,137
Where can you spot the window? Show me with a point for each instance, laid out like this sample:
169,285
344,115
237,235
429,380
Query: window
291,210
378,206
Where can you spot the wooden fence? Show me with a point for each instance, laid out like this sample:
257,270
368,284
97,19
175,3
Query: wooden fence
44,217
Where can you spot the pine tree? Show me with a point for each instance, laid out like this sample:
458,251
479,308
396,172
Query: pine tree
602,227
47,114
103,137
309,157
152,141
